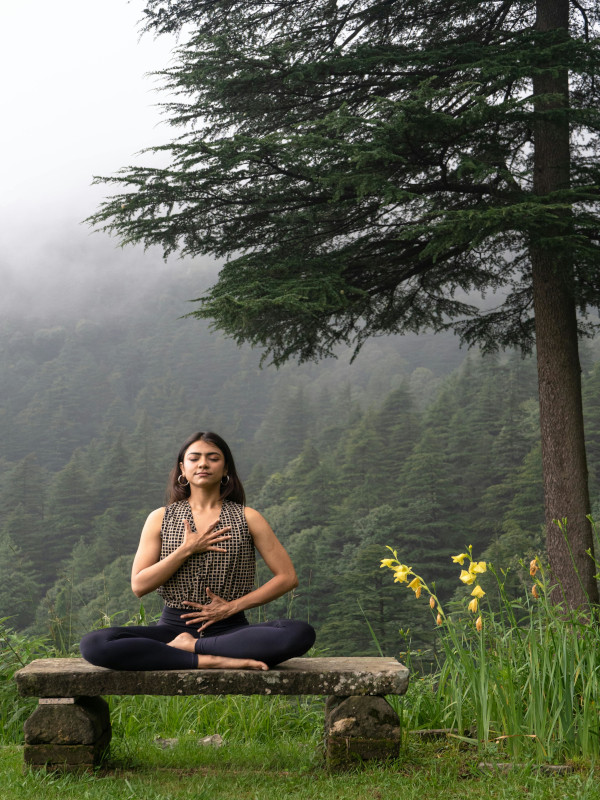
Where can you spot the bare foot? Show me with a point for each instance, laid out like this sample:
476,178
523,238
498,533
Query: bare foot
185,641
220,662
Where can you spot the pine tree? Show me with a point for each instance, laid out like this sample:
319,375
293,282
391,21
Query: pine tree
70,513
19,585
370,160
398,426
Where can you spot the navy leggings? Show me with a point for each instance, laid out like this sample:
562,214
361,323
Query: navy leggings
142,647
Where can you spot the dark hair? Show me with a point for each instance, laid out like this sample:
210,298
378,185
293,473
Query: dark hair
232,490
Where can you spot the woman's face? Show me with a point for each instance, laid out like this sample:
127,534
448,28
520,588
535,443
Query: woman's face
203,464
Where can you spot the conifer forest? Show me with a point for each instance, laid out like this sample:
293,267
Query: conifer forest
417,444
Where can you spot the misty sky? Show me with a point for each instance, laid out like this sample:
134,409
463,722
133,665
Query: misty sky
75,103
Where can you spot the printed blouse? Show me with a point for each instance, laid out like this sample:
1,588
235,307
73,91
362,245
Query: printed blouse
229,575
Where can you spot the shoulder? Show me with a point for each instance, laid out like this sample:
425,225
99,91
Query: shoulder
256,522
252,515
156,516
153,524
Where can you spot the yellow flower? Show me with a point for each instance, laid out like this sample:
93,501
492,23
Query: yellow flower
387,562
479,623
473,605
533,567
416,586
401,573
478,592
534,591
432,602
467,577
439,619
460,559
477,567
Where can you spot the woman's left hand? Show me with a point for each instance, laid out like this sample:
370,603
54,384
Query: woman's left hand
216,610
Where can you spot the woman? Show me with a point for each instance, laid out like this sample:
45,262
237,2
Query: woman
198,554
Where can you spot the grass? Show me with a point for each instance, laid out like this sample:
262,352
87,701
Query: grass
287,769
237,719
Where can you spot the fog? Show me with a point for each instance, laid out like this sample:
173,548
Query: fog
78,103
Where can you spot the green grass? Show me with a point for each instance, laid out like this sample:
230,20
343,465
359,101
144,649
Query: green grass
237,719
285,769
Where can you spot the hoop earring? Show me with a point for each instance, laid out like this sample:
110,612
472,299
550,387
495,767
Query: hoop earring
187,483
225,481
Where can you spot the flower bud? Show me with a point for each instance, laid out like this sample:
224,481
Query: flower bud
432,602
534,591
439,619
479,623
533,567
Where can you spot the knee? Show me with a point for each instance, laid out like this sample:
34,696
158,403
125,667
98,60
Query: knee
93,646
307,634
301,635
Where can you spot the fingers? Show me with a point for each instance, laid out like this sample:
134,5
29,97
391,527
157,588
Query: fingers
194,619
221,531
211,528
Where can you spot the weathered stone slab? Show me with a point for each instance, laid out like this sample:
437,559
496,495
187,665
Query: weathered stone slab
80,723
71,677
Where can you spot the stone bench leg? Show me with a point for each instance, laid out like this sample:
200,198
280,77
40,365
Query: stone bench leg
358,729
67,734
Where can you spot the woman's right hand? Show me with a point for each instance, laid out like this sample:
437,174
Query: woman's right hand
207,541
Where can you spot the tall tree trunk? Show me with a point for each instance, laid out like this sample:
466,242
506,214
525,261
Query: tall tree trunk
559,371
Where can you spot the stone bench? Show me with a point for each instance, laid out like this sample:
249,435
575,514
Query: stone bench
70,729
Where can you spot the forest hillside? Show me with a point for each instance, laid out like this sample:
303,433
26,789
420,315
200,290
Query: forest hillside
417,444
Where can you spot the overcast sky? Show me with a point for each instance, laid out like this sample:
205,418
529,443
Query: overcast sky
75,102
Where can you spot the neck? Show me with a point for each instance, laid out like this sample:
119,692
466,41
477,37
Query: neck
205,498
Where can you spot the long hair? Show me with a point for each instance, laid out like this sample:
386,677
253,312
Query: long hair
232,490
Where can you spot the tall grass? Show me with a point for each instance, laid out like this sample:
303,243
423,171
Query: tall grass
523,679
528,680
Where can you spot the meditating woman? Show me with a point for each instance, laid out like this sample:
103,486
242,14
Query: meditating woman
198,554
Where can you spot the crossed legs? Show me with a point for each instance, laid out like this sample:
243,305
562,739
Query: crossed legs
139,647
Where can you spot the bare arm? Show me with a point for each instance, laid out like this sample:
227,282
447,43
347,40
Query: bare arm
277,560
149,572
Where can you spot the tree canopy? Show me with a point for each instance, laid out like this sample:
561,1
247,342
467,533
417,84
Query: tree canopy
366,166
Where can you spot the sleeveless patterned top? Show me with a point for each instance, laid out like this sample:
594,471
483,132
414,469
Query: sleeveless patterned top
229,575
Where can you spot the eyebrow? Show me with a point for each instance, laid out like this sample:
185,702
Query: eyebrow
210,453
